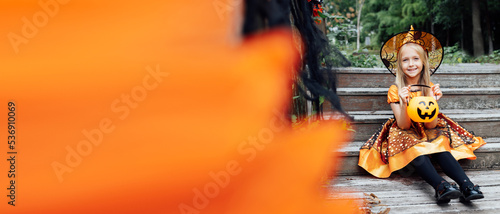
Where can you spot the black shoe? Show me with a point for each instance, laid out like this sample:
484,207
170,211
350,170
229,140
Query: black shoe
471,193
446,191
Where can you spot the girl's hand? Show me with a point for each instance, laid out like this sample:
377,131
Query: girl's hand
436,92
404,95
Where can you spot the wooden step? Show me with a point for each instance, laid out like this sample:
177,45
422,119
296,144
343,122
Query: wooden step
488,158
472,98
483,123
452,76
374,99
410,194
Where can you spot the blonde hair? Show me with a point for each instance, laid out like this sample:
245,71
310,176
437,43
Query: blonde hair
425,74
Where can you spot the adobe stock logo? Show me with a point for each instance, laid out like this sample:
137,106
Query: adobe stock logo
31,26
94,137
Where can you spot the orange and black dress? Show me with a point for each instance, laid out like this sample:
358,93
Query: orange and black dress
392,148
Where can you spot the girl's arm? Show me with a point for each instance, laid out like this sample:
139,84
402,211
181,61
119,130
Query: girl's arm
399,110
435,92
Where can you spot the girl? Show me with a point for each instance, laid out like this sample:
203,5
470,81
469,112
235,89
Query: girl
413,56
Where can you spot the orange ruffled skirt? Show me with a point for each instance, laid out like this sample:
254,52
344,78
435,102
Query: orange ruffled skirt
392,148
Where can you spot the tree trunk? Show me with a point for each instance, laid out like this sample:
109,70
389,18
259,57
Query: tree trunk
432,25
358,26
477,37
431,21
447,37
463,33
488,28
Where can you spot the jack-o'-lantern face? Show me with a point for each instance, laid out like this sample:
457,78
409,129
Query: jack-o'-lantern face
423,109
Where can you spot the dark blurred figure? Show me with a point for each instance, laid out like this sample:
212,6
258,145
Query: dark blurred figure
317,74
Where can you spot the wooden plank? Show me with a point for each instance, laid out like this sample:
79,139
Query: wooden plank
445,111
483,129
446,91
484,206
375,101
486,160
468,76
413,195
352,148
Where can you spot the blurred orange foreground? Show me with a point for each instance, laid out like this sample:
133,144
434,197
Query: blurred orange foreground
151,107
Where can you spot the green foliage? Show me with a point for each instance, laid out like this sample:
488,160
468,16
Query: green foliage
492,58
387,18
335,58
454,55
414,12
448,13
381,19
341,19
363,60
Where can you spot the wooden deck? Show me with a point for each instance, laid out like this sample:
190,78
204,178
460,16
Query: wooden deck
471,98
399,194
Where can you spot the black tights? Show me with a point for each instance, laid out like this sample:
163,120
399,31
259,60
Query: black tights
448,164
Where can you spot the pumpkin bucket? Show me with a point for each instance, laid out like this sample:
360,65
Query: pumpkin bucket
423,109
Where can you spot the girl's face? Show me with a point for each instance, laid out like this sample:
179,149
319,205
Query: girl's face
411,62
